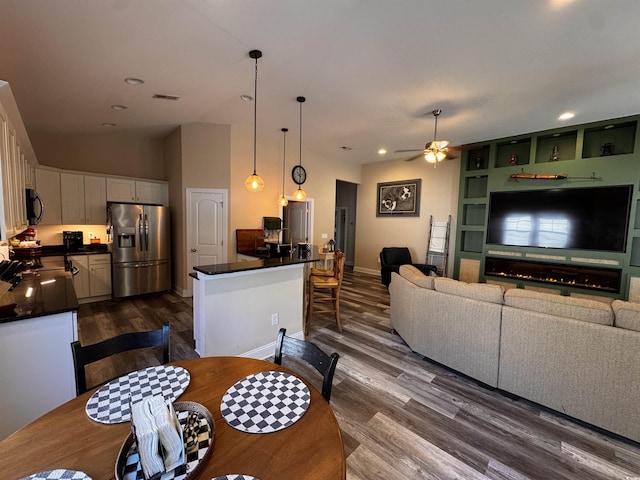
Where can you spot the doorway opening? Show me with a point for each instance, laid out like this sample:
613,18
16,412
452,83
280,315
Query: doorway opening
297,218
345,219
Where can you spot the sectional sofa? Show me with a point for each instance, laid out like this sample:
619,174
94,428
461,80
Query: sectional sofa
575,355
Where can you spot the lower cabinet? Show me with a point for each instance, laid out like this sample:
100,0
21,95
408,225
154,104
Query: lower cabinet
93,280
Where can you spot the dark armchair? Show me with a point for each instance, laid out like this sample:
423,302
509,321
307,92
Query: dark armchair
392,257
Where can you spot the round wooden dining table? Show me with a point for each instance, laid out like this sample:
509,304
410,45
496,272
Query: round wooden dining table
66,438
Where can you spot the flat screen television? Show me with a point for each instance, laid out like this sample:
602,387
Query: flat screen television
585,218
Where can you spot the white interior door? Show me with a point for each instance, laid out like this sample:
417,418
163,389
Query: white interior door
298,218
207,228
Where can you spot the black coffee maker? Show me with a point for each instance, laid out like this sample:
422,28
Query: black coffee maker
72,240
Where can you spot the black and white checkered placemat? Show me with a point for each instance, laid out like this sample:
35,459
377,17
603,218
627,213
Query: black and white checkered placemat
111,403
235,476
59,474
265,402
133,469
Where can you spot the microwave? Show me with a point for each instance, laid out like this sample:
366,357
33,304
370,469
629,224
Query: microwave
35,208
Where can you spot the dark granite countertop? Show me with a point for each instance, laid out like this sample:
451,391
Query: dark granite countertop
52,292
257,264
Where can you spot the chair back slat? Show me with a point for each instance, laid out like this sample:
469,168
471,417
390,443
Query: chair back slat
310,353
85,355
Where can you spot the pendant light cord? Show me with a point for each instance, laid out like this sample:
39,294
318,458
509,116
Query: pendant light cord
255,116
301,101
284,155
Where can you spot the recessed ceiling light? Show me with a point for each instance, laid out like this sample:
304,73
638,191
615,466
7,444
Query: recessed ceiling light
134,81
246,98
119,107
382,151
566,116
108,124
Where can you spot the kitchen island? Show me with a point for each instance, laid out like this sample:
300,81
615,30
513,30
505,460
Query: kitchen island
238,308
35,349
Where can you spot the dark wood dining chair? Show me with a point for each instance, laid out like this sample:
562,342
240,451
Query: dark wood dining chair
310,353
84,355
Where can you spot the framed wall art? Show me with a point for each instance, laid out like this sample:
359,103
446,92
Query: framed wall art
399,198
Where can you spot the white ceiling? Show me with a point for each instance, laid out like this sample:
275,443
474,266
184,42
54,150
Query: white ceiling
372,70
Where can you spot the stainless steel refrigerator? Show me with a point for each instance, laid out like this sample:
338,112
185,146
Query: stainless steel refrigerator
140,251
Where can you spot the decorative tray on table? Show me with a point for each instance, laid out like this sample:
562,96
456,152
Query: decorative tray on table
199,436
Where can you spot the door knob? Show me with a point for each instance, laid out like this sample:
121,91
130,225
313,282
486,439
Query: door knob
194,250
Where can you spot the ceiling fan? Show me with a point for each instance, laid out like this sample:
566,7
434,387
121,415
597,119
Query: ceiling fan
435,151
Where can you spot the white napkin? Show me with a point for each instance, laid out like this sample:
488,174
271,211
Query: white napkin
170,438
146,434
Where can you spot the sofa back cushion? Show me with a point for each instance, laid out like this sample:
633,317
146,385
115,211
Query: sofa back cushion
627,314
415,276
552,304
476,291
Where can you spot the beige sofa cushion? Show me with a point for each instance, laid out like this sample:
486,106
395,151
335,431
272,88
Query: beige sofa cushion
570,307
416,277
476,291
627,314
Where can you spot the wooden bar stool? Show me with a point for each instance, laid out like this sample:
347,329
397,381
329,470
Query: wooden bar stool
324,289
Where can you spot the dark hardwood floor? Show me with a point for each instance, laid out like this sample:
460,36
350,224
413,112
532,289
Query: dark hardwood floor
402,416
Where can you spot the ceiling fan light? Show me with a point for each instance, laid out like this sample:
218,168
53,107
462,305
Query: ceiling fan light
299,195
439,144
254,183
430,157
441,155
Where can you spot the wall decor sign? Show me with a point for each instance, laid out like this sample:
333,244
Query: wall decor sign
399,198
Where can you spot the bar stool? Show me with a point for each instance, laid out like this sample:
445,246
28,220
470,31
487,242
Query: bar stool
325,291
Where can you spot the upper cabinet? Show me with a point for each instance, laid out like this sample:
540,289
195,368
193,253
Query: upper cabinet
16,170
48,188
136,191
84,199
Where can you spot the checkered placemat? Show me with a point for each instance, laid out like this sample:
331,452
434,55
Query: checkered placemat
111,403
133,470
235,476
265,402
58,474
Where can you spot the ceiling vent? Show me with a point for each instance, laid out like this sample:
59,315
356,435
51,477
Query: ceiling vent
166,97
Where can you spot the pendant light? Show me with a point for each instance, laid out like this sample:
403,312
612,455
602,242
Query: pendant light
282,201
254,183
299,174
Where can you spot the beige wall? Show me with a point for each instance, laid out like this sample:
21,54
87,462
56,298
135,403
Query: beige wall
109,153
439,197
196,156
247,208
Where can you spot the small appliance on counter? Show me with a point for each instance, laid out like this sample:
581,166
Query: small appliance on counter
72,240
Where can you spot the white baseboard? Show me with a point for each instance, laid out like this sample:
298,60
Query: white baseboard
368,271
266,351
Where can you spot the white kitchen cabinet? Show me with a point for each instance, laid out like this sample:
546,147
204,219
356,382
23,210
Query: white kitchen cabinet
94,276
48,187
37,374
14,175
95,200
72,198
136,191
121,190
152,193
81,279
84,199
99,274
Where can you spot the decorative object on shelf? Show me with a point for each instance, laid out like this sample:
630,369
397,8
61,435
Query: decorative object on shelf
399,198
298,173
282,201
254,182
607,149
555,153
550,176
513,159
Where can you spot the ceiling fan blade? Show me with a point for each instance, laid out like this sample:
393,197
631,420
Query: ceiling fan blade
412,150
410,159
